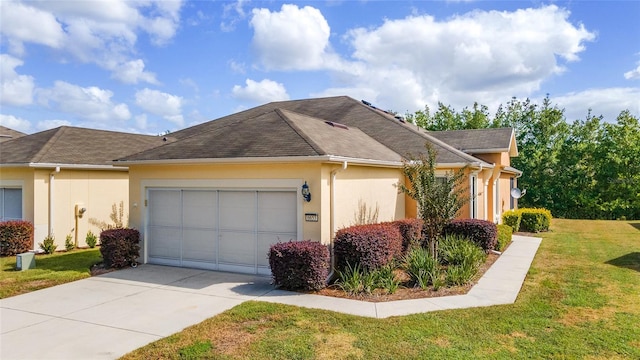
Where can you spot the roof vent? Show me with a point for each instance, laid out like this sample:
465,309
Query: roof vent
399,118
366,102
338,125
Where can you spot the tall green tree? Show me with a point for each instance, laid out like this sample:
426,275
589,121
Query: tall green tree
439,199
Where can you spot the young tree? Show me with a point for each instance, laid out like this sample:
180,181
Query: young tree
439,198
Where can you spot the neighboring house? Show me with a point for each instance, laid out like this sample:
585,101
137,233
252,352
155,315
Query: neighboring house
496,147
48,177
222,192
7,134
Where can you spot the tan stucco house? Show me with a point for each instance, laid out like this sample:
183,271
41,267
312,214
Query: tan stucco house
218,194
49,177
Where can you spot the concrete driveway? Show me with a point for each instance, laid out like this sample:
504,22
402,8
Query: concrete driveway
107,316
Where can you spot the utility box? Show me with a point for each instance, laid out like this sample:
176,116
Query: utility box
25,261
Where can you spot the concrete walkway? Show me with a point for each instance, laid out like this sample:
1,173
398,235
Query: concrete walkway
107,316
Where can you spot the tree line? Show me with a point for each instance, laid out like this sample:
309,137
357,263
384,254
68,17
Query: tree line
587,169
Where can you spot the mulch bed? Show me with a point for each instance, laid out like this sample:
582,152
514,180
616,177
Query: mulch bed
406,293
99,269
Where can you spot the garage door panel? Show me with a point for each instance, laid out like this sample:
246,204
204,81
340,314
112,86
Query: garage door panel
200,209
237,248
165,242
238,210
164,209
277,211
199,245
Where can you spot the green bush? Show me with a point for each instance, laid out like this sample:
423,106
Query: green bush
421,267
387,280
16,237
48,245
68,243
350,279
505,232
457,250
91,239
512,218
535,220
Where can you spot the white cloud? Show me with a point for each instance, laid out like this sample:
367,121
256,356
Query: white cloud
292,39
162,104
232,13
99,31
133,72
24,23
487,56
89,103
633,74
51,124
260,92
16,89
606,102
15,123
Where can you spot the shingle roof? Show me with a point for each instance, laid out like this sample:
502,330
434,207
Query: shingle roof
479,141
260,132
7,134
73,145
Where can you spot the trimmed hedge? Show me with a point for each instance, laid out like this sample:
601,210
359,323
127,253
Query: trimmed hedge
16,237
411,232
505,232
119,247
535,220
371,246
482,232
528,219
513,219
299,264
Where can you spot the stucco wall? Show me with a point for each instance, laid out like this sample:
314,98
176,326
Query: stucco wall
373,185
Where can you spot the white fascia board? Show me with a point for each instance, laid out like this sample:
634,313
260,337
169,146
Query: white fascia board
66,166
485,151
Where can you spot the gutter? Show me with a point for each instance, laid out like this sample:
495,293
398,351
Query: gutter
51,207
332,221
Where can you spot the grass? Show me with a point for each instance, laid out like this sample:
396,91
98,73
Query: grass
51,270
580,301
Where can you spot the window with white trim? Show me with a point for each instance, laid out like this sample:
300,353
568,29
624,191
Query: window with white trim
10,204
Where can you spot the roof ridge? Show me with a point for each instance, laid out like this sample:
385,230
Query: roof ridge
49,144
282,113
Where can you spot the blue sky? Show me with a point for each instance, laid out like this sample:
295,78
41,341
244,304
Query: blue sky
152,66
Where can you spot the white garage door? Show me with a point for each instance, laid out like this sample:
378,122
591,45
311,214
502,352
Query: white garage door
218,229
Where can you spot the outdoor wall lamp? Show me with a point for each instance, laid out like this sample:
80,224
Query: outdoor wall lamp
306,194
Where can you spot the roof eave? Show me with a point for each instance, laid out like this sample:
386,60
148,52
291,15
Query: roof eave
65,166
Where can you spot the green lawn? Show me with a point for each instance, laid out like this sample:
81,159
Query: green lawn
581,300
55,269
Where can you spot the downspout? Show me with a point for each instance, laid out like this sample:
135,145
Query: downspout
51,207
332,218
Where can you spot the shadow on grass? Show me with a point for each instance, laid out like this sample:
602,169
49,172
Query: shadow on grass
76,261
629,261
635,225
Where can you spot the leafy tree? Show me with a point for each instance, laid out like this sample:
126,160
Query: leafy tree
439,198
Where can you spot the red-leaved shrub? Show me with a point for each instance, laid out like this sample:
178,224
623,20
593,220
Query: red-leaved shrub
299,264
16,237
482,232
371,246
411,232
119,247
